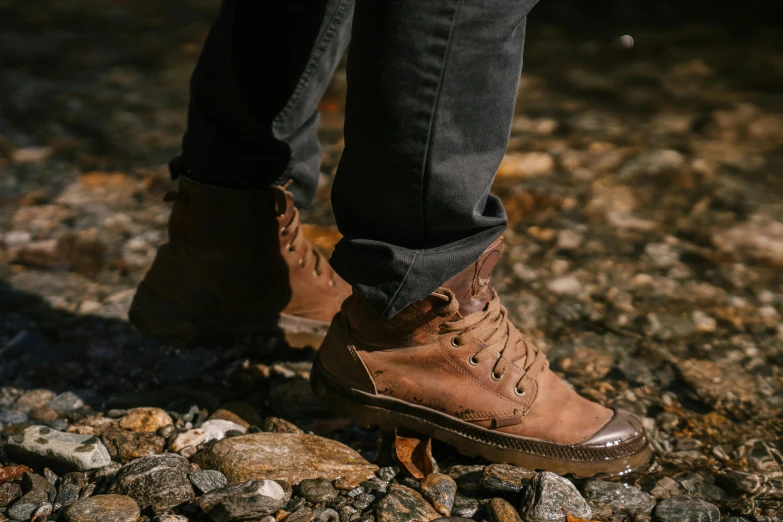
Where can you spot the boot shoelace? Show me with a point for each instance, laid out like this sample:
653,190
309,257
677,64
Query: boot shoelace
299,243
497,338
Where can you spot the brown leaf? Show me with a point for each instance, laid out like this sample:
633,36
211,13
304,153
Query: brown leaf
12,472
414,452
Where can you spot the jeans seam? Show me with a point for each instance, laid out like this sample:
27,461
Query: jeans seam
402,284
312,64
427,146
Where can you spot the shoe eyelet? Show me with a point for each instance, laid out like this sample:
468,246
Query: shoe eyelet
472,360
301,263
455,342
495,376
518,391
284,231
291,248
316,273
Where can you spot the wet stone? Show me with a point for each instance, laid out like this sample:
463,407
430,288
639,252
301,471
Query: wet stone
67,495
157,481
501,511
102,508
125,446
327,515
288,456
686,509
145,420
439,490
624,498
464,506
41,446
33,399
550,497
317,490
249,500
206,480
403,504
9,492
504,478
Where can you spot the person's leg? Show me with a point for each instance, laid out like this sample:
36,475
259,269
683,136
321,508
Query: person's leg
252,120
237,261
424,342
431,94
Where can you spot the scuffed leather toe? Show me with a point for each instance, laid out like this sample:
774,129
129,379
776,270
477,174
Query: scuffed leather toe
623,426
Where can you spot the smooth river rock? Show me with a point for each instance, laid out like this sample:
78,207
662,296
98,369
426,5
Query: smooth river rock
550,497
103,508
621,497
160,481
686,509
403,504
145,420
250,500
291,457
41,446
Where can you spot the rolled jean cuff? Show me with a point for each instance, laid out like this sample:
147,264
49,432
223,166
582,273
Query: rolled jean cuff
392,277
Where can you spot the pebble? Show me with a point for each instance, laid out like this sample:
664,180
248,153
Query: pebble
103,508
738,482
291,457
402,504
686,509
40,446
206,480
439,490
125,446
278,425
159,481
505,478
550,497
190,438
317,490
248,500
464,506
9,492
32,399
218,428
623,498
23,508
567,285
501,511
92,425
65,403
145,420
222,414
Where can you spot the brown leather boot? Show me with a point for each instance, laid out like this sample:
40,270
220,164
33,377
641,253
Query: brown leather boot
236,263
452,366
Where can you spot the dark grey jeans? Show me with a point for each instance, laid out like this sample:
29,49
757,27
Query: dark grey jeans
431,92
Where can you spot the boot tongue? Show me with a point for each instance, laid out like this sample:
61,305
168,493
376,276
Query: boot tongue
472,286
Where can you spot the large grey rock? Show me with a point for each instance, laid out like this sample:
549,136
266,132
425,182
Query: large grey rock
40,446
292,457
402,504
686,509
159,481
102,508
623,498
247,501
439,489
550,497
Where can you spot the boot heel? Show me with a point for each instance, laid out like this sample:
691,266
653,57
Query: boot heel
159,318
